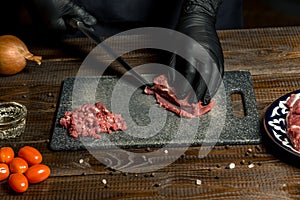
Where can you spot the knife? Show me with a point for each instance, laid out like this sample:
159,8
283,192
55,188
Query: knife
90,32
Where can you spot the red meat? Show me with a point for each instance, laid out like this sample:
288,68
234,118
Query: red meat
293,120
167,99
90,120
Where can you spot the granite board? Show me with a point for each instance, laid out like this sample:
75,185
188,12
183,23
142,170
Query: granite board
151,126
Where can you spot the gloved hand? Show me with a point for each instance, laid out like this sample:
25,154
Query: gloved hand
52,14
198,22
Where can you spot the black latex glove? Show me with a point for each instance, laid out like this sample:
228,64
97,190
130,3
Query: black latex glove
51,15
198,22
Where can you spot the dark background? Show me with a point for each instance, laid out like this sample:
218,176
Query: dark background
271,13
256,14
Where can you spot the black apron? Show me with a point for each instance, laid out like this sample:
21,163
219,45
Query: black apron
115,16
119,15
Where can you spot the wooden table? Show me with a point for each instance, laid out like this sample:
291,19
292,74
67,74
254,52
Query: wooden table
272,55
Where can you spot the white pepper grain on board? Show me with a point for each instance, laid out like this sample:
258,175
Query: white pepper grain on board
104,181
198,182
249,150
231,165
251,165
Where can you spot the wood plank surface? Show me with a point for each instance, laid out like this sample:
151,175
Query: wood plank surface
261,171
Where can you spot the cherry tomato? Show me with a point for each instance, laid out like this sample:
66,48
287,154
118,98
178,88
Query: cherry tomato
30,154
6,154
4,171
37,173
18,165
18,182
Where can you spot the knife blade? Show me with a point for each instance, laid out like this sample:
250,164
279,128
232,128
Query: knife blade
90,32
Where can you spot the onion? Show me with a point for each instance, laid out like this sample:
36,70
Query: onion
13,55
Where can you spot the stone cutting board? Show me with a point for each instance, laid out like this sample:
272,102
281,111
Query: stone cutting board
219,127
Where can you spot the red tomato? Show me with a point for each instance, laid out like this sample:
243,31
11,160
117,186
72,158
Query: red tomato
18,182
37,173
30,154
6,154
18,165
4,171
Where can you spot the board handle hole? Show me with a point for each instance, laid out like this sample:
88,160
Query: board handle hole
238,105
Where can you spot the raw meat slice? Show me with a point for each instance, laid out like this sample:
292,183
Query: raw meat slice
167,99
293,120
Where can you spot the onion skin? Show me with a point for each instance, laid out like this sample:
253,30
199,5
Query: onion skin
14,55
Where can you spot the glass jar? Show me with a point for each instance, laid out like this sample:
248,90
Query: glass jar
12,119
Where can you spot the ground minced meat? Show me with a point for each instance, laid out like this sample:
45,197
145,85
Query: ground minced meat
91,120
